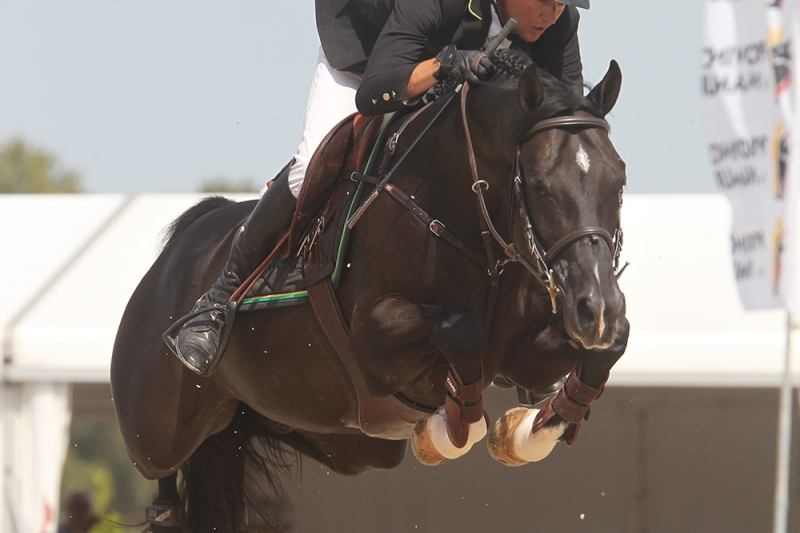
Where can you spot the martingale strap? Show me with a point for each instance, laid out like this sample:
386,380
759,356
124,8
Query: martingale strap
386,417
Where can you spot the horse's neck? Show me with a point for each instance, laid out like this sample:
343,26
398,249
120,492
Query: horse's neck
438,174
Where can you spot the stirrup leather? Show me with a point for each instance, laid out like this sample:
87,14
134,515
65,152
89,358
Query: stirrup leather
229,312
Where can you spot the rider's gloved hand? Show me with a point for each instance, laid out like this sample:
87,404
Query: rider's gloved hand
463,65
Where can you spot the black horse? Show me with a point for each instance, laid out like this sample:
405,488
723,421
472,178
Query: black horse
546,175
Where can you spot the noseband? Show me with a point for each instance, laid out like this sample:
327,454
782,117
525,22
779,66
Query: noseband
541,267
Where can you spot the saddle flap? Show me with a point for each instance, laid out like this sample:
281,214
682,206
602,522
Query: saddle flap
341,152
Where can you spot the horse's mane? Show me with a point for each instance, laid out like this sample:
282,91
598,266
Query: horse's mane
561,98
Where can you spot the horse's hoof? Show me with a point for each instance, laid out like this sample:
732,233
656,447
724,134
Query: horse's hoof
502,438
422,444
514,444
432,445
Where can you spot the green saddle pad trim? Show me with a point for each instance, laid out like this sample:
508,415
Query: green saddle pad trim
275,297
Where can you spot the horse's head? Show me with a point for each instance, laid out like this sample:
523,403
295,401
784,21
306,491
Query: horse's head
567,190
567,221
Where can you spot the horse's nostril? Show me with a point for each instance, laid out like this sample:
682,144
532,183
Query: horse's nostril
586,317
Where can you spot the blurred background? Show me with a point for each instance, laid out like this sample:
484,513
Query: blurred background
163,97
138,108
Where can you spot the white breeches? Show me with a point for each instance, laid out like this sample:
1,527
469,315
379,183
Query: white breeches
332,98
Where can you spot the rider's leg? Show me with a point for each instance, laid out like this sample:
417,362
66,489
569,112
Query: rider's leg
331,99
198,343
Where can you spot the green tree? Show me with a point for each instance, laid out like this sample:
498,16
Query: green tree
24,169
98,463
226,184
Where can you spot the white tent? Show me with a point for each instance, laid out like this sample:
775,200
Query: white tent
69,265
70,262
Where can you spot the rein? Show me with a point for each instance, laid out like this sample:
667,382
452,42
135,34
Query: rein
540,269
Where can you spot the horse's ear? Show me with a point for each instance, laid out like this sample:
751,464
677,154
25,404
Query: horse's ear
604,95
530,91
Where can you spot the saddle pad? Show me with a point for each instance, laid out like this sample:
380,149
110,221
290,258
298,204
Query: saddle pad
284,281
319,254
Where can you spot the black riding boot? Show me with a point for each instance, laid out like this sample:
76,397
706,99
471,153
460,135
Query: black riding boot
202,339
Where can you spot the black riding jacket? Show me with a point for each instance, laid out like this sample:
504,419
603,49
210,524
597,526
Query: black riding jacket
384,40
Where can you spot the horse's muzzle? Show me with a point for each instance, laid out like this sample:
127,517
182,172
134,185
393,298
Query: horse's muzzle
594,309
598,321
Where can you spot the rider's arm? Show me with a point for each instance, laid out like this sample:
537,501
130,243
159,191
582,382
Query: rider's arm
400,65
422,78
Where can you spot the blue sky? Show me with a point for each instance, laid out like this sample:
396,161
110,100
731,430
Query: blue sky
158,96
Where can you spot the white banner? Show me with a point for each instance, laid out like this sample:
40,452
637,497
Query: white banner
35,431
748,117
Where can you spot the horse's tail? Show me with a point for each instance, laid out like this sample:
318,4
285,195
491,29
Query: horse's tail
206,205
245,455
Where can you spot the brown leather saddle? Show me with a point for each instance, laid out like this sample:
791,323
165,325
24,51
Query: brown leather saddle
307,252
307,257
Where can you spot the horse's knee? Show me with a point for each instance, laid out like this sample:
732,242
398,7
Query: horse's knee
459,335
398,322
393,337
458,330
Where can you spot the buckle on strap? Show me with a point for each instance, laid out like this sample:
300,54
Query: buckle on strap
164,515
437,228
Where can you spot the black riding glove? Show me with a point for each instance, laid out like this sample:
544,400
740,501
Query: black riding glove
463,65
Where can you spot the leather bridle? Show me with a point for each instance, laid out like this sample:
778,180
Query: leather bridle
541,266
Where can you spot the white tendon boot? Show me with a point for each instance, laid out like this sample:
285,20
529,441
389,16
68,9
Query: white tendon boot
432,445
514,444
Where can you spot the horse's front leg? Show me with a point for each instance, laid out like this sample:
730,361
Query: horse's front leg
403,341
524,435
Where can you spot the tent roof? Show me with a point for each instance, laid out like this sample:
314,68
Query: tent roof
70,263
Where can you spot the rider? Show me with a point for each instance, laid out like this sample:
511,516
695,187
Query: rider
378,56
